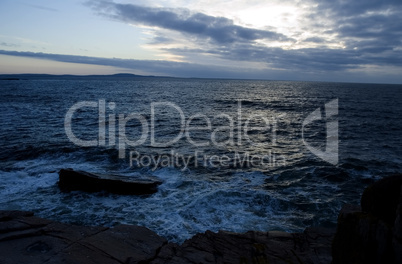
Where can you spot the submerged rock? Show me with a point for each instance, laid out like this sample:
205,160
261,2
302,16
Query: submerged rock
71,180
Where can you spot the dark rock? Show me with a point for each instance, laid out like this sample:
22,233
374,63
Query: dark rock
70,180
39,240
39,246
7,215
360,238
372,234
382,198
397,239
312,246
36,240
127,244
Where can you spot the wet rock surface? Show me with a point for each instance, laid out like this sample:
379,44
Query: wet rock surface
71,180
311,246
25,238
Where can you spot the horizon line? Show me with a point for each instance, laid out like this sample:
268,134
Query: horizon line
3,77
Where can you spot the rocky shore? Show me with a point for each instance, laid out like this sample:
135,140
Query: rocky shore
368,234
25,238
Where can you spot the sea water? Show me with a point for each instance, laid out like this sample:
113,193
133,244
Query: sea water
232,154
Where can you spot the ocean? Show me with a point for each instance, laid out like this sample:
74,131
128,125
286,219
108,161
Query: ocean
233,155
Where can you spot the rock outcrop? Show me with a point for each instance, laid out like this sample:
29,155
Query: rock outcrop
25,238
311,246
71,180
372,233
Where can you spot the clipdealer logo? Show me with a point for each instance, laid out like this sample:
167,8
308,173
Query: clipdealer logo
330,154
237,129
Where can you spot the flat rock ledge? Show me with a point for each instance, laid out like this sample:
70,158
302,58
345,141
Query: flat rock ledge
25,238
71,180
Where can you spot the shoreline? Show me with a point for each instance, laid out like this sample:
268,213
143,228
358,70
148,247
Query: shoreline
27,238
370,233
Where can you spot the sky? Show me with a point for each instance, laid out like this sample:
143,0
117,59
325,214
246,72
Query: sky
311,40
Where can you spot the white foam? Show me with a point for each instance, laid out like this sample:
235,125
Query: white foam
184,205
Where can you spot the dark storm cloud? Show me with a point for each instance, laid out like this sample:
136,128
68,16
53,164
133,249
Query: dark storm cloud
378,21
219,29
370,30
381,27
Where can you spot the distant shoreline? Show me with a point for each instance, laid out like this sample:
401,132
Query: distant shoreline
131,76
34,76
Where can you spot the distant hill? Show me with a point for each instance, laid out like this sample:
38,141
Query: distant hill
119,76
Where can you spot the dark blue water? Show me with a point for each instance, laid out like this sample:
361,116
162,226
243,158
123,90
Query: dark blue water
291,189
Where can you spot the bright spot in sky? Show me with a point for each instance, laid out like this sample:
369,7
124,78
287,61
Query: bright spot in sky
282,18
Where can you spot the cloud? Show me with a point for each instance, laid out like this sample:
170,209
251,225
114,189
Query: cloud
239,70
306,59
160,39
330,38
346,35
315,40
340,8
371,25
154,67
219,29
6,44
